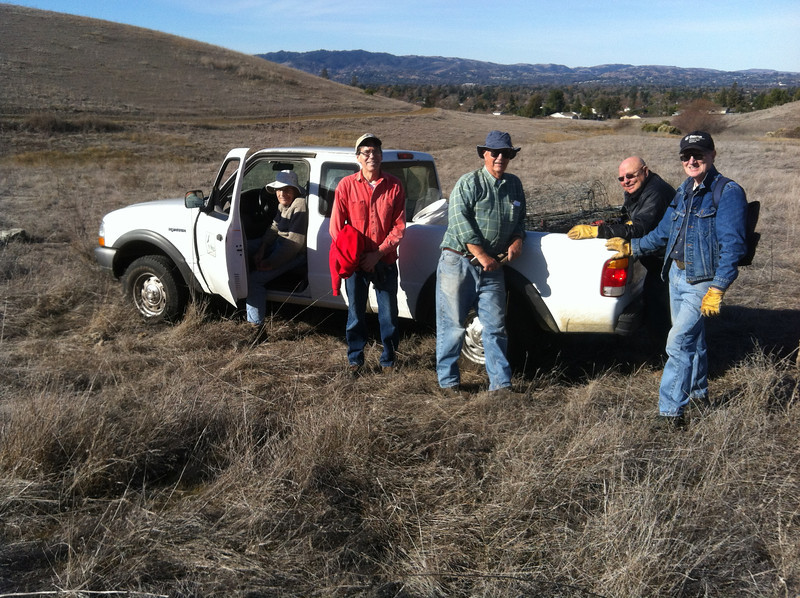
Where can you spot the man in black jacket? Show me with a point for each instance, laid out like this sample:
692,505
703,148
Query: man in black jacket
647,196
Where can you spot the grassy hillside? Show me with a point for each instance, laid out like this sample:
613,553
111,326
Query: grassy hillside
182,461
778,120
69,64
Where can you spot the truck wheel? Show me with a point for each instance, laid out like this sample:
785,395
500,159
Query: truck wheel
472,349
522,331
155,288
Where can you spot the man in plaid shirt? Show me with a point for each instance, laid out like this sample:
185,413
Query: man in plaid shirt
486,227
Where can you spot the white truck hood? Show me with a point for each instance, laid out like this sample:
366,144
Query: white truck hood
167,217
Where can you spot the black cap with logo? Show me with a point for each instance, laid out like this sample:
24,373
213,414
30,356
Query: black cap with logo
697,140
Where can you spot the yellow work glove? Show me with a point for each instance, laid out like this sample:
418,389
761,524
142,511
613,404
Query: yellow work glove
583,231
620,245
711,302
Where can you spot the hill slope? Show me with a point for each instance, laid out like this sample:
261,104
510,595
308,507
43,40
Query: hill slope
762,122
56,62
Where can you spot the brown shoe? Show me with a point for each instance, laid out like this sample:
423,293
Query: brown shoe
388,370
354,370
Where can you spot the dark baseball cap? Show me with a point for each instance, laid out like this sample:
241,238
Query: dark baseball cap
697,140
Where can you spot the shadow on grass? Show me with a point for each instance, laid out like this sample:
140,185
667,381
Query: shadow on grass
731,337
741,329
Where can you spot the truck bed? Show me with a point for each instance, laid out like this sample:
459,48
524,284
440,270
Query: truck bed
557,208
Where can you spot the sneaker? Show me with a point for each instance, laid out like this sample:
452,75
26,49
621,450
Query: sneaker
354,369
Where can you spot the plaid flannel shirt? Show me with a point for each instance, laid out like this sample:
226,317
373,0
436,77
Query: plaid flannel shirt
485,211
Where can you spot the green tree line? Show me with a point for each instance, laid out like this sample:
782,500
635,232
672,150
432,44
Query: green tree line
589,102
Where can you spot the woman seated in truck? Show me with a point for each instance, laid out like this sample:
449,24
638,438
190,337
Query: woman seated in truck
282,247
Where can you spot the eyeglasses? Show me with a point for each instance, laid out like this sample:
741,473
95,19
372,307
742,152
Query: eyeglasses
370,153
508,154
630,175
686,156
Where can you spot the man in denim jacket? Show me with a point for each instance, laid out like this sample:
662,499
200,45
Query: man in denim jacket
703,244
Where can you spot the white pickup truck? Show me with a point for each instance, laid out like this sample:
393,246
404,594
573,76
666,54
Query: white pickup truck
163,251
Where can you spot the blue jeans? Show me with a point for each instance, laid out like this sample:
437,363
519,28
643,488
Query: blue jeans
685,375
459,287
257,288
384,281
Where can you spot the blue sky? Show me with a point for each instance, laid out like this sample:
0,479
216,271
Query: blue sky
733,35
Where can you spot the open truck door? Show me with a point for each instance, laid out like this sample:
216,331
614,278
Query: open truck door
219,239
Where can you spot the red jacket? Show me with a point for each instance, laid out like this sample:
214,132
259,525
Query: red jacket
345,255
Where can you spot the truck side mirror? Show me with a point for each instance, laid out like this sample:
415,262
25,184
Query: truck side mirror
194,199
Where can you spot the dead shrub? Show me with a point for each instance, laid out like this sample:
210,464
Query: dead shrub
699,115
52,124
786,133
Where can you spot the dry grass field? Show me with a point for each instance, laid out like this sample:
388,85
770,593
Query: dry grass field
180,461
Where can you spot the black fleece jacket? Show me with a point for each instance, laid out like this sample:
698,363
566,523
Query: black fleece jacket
643,208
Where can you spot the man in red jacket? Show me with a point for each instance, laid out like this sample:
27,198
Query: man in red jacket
374,203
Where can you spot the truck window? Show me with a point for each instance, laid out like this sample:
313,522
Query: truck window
221,199
419,182
259,174
263,172
258,206
332,173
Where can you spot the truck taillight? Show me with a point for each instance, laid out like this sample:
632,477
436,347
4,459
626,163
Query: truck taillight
614,278
405,156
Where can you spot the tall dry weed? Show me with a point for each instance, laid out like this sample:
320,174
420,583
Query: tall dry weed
182,460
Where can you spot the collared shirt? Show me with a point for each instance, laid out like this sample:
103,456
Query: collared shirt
378,212
485,211
677,253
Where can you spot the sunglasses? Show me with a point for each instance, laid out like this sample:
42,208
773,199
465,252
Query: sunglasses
508,154
630,175
370,153
686,156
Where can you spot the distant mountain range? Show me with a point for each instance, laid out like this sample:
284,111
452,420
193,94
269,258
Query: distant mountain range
378,68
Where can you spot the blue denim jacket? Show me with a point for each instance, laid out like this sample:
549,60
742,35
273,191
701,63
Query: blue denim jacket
715,237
